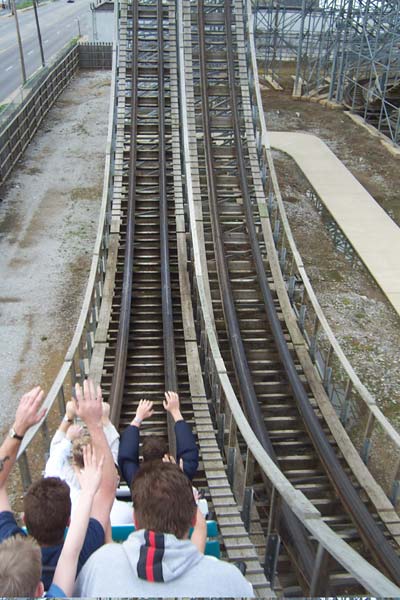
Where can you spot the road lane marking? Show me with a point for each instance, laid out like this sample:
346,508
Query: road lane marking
46,42
30,52
9,68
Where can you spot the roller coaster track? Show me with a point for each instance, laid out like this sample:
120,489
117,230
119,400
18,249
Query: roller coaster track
193,303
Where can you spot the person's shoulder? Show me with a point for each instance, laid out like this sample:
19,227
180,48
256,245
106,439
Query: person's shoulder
8,525
54,592
7,516
94,525
103,557
94,539
223,569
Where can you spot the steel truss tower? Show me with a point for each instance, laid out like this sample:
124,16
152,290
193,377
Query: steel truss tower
345,50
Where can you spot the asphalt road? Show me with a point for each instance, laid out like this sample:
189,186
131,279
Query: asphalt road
58,24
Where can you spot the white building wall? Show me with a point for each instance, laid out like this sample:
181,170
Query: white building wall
102,26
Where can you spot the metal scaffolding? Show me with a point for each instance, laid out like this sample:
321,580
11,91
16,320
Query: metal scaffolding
347,51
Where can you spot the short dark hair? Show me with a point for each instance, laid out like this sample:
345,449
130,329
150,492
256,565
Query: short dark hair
154,447
163,499
47,506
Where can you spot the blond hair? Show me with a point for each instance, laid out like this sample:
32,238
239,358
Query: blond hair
77,448
20,566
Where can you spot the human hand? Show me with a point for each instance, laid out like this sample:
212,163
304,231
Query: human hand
70,410
168,458
28,412
90,476
74,432
171,405
143,411
89,405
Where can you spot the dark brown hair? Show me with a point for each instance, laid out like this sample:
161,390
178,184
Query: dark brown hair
154,447
163,499
47,507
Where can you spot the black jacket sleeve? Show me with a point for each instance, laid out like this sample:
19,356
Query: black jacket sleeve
186,448
128,454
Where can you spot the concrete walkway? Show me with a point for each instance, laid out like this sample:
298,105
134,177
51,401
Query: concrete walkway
372,233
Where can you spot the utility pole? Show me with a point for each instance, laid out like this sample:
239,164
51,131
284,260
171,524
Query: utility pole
21,52
38,31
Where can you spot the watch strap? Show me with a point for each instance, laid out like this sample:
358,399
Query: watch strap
14,434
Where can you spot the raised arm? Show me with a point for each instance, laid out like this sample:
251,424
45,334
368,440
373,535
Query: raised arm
66,422
199,535
128,455
58,464
110,431
28,414
89,409
89,479
186,448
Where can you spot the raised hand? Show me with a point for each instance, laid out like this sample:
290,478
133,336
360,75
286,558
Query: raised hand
171,405
89,405
143,411
28,412
70,410
90,476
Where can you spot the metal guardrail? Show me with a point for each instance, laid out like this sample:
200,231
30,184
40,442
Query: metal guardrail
77,359
20,122
370,431
95,55
229,413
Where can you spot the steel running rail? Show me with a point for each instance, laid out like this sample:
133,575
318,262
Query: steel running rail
371,579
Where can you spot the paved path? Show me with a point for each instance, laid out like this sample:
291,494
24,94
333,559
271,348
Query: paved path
372,233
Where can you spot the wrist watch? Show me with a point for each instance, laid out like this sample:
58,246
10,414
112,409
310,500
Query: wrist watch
67,419
13,434
137,420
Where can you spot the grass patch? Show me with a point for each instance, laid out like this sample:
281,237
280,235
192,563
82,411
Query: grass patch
25,4
3,107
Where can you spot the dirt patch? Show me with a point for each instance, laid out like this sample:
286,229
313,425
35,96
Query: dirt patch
363,321
48,223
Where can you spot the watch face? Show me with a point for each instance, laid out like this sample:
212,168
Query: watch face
13,434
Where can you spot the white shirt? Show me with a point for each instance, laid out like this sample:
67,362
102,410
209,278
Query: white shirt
59,465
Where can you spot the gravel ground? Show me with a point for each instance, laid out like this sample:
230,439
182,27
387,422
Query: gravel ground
48,221
364,322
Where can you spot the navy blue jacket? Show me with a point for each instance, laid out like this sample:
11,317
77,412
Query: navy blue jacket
186,449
